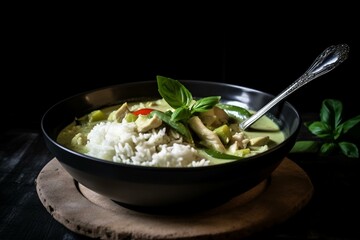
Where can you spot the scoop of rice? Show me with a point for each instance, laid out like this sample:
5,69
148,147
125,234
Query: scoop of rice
121,142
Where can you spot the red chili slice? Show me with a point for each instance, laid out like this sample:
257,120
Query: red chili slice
143,111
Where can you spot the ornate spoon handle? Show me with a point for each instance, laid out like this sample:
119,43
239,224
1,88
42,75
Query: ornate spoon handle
329,59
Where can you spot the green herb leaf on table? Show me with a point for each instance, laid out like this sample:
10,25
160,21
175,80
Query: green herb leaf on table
331,132
331,112
349,124
327,148
349,149
306,146
320,129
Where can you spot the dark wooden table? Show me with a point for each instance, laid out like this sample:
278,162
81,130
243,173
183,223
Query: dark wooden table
332,213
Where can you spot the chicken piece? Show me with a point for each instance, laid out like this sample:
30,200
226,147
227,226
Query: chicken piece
119,114
208,137
79,140
144,124
240,139
214,117
235,150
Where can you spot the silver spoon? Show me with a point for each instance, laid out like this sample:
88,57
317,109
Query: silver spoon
329,59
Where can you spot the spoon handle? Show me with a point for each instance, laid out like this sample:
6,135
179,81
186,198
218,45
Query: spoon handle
329,59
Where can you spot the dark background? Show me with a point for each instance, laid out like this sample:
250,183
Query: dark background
50,55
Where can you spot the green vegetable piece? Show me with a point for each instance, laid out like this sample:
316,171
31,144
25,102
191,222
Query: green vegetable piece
236,112
130,117
224,133
216,154
96,115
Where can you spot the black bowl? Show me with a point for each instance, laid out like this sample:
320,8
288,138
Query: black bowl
154,189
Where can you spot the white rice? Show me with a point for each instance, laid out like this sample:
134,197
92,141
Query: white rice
121,142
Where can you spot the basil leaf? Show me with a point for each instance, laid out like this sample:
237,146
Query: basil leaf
305,146
320,129
327,148
331,111
181,113
347,125
338,131
349,149
205,104
174,93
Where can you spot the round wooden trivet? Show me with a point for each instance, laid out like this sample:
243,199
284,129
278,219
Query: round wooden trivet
85,212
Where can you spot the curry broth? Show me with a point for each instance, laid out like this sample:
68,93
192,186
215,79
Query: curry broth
262,127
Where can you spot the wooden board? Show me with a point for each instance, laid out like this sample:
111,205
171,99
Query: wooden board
85,212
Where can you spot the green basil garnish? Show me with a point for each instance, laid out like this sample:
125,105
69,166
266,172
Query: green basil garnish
180,98
331,132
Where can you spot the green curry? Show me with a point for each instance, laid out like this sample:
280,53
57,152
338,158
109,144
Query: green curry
205,129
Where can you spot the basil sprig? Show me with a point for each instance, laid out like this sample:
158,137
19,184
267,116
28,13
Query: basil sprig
181,99
331,132
174,93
